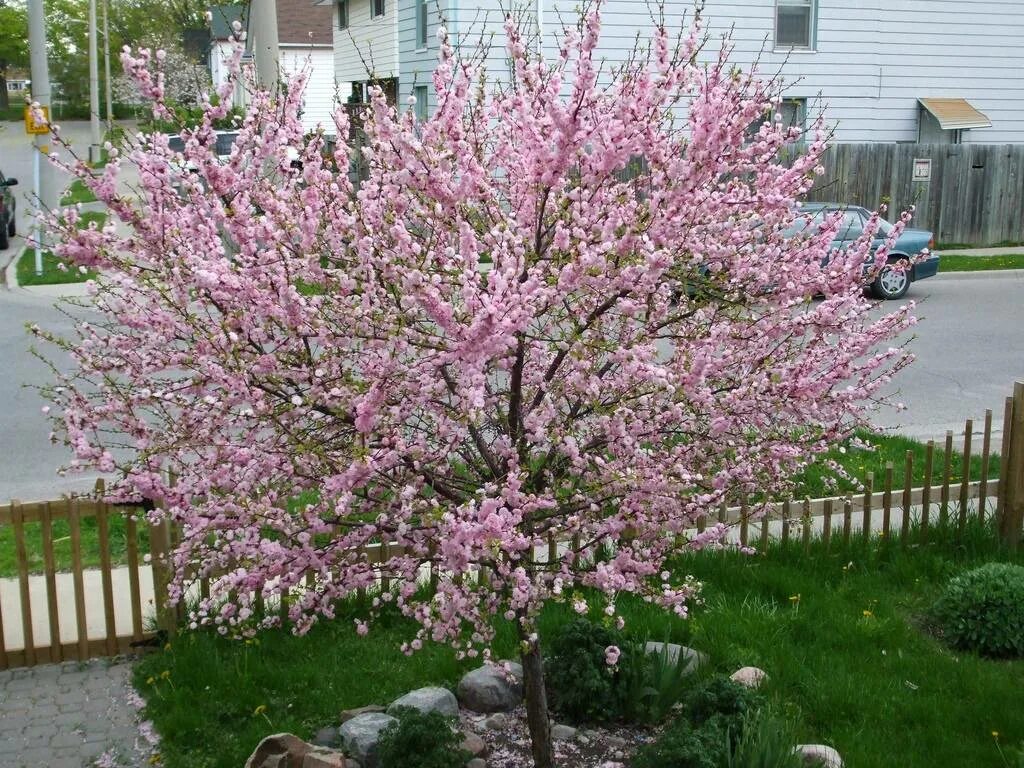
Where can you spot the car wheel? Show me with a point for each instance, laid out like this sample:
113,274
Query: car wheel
11,229
893,281
4,242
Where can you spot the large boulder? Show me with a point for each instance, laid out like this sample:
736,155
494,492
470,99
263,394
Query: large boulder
282,750
431,699
361,734
348,714
491,688
751,677
320,757
693,659
819,756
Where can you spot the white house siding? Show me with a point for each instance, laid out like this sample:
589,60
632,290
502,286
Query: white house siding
321,95
368,42
872,61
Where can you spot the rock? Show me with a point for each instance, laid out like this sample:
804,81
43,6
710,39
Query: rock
473,744
491,689
431,699
583,739
819,756
562,733
496,722
319,757
615,742
326,737
694,659
348,714
752,677
282,750
361,733
351,762
477,762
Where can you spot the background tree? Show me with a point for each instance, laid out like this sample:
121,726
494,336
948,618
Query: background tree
13,43
498,337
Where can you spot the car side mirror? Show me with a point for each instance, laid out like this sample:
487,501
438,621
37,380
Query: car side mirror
10,182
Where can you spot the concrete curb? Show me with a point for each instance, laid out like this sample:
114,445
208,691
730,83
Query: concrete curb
982,274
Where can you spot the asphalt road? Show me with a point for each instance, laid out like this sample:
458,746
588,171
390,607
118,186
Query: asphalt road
969,345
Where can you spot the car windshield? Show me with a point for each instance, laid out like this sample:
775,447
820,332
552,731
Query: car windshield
818,218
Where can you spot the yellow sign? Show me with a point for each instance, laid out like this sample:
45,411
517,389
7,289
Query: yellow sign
33,127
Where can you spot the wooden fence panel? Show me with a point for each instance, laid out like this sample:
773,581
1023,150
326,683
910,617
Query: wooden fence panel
975,193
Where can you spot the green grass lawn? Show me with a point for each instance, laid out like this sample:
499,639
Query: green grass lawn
52,272
77,193
848,662
958,262
62,545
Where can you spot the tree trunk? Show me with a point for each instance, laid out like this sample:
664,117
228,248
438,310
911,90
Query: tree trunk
536,703
4,100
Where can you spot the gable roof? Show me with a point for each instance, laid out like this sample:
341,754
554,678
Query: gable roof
296,21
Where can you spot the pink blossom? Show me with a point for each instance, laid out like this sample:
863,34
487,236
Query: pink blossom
611,655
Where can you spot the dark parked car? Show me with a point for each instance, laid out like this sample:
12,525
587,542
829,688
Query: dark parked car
7,211
892,281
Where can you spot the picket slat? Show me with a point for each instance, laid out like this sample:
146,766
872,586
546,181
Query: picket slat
887,501
134,585
786,512
23,586
50,571
826,525
1004,458
908,481
869,483
947,472
847,519
986,448
965,480
82,638
106,576
926,496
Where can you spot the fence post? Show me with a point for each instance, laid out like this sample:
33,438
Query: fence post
1013,503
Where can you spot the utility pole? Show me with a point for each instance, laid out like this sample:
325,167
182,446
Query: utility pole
45,176
106,68
262,40
94,88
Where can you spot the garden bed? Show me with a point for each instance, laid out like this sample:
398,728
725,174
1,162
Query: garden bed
840,632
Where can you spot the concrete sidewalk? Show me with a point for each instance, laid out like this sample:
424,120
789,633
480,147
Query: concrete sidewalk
10,603
1001,251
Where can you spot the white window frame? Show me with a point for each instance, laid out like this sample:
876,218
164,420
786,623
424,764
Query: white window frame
801,104
421,25
422,95
374,5
812,25
343,14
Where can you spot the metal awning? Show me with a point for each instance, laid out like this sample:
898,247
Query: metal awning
955,114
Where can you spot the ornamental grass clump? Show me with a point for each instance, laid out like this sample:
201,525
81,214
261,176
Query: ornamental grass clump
982,610
641,348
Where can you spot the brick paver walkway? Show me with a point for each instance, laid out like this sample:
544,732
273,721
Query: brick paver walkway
68,715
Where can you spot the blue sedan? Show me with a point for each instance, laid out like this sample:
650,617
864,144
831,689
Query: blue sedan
893,280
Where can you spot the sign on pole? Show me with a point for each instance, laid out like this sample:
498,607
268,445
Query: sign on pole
34,127
922,169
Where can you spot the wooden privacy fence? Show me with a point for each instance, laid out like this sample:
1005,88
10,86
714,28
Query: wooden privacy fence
963,193
54,616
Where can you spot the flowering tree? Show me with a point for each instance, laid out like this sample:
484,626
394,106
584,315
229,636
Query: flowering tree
498,337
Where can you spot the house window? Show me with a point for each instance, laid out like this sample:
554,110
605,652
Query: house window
794,113
377,8
794,23
342,14
420,92
421,23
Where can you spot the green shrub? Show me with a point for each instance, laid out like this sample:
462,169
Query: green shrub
722,699
767,741
581,685
650,684
983,611
421,740
682,745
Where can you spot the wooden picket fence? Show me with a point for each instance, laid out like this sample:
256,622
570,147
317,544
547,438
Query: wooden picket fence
56,616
